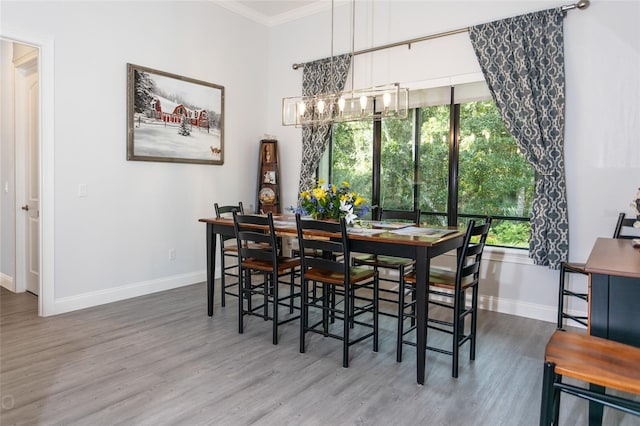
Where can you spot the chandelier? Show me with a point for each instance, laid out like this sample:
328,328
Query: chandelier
389,101
374,103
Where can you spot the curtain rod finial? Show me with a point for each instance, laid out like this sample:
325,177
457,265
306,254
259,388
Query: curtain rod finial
582,4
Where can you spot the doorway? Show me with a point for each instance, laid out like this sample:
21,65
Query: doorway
45,159
21,182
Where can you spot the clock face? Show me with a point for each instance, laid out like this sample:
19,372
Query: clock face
267,196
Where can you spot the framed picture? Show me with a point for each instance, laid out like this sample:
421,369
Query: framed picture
173,118
269,177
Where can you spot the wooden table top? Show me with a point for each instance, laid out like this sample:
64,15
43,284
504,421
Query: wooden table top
611,256
405,235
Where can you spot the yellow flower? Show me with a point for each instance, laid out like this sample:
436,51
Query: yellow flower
358,201
345,183
320,181
319,193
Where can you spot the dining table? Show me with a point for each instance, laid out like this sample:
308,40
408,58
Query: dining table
421,243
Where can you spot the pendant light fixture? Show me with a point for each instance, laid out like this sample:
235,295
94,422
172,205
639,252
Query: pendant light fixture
374,103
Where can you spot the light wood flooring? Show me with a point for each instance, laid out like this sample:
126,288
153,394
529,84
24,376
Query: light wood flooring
160,360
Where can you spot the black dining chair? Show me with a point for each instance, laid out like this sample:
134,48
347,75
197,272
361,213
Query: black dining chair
567,267
258,252
331,274
448,289
392,265
228,253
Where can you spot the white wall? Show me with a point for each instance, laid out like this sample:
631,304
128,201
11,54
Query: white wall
115,242
602,57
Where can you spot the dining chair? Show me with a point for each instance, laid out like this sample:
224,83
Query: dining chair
579,268
258,252
333,272
448,289
389,285
228,252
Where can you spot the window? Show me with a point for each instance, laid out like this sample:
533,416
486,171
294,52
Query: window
453,160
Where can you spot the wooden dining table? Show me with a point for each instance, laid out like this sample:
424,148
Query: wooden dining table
421,243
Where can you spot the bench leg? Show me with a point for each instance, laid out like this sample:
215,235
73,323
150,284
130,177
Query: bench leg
595,409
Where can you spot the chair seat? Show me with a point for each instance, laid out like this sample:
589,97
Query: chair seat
284,264
441,277
337,278
382,261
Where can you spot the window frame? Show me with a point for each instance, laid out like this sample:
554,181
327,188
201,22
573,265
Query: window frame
453,217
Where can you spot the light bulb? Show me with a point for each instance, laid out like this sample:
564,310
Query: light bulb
320,106
301,108
386,99
363,103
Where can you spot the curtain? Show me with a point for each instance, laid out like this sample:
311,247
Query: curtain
522,59
321,76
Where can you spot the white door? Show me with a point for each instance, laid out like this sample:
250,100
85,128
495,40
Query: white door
27,131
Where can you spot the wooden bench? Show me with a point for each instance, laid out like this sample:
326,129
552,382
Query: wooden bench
600,362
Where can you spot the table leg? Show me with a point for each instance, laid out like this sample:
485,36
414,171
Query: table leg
422,284
211,266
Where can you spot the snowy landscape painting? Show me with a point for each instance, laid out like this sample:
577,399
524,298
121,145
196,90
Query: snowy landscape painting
173,118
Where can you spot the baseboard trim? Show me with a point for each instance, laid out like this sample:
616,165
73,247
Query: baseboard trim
518,308
524,309
7,282
87,300
101,297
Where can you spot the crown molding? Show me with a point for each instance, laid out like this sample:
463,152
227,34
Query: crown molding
282,18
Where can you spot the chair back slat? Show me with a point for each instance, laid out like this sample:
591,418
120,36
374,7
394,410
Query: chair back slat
313,235
227,211
253,241
625,224
470,255
412,216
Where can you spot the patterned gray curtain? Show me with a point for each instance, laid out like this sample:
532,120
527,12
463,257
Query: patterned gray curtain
522,59
321,76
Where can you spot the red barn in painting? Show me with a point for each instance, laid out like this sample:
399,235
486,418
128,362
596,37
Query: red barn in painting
198,117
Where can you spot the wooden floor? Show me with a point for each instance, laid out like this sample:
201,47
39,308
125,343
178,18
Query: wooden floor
160,360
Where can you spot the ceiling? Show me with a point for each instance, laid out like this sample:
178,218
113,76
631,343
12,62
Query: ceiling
274,12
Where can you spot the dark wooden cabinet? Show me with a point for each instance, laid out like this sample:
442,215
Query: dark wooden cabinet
268,196
614,268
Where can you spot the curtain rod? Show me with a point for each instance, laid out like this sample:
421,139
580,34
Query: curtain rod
582,4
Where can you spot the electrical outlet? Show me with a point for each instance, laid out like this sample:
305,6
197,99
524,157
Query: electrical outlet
172,254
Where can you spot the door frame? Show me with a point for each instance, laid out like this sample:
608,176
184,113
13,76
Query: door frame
46,299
